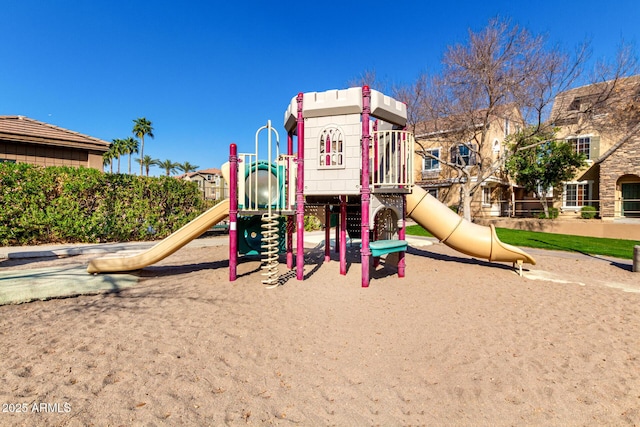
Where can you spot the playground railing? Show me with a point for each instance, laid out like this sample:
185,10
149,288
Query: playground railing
263,184
392,158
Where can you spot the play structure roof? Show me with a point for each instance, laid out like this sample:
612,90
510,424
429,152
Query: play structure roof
345,101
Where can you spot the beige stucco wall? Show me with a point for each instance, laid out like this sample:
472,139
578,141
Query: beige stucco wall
450,195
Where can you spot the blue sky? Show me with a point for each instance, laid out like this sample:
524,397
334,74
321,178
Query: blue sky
209,73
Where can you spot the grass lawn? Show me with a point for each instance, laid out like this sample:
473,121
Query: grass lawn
618,248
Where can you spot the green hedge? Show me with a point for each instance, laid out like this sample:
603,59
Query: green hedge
553,214
64,204
588,212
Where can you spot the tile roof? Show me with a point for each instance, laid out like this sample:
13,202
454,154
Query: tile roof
202,172
211,171
24,129
465,122
566,105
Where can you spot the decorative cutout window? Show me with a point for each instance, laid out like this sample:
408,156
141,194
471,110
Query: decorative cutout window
331,148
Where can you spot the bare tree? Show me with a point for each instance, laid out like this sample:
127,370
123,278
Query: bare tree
369,78
415,98
502,71
609,101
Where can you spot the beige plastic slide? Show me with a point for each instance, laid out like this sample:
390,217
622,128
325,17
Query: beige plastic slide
165,247
464,236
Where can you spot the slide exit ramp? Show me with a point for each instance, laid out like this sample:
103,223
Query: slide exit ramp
164,248
457,233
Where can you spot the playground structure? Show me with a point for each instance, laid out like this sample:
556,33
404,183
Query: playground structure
354,162
352,166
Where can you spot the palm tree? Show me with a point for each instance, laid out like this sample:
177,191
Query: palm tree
187,167
142,127
107,159
168,166
147,162
130,146
118,150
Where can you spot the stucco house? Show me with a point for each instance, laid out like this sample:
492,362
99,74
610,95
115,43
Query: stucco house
602,121
467,141
25,140
210,183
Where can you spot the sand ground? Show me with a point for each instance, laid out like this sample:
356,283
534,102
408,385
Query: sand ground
458,341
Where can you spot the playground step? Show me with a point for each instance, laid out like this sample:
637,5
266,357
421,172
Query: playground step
383,247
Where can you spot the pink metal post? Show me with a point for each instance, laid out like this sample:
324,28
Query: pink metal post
337,238
376,236
402,234
233,212
300,194
290,222
327,234
376,172
343,235
365,190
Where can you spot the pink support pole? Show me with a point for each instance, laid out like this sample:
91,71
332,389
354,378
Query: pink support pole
376,171
300,194
233,212
290,222
376,259
343,235
365,190
402,234
327,234
337,239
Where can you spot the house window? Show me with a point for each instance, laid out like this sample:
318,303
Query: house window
463,155
433,192
506,127
581,145
331,148
486,196
429,163
576,195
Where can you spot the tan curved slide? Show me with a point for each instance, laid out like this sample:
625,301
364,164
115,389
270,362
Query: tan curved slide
165,247
464,236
